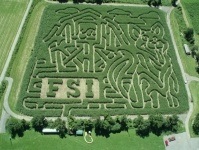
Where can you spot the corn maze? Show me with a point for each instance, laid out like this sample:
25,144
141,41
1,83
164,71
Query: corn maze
88,61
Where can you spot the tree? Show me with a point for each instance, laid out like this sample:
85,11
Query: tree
98,126
107,124
142,126
75,124
197,69
189,35
116,128
99,2
194,49
39,122
171,123
125,123
60,125
75,1
156,123
154,3
196,124
88,125
62,1
173,3
16,127
25,124
197,57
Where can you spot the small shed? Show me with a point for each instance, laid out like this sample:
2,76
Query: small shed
187,50
49,131
79,132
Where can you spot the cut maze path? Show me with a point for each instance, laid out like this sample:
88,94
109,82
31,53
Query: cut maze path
125,75
116,86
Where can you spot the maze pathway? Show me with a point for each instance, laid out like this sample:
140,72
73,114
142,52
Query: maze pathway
90,61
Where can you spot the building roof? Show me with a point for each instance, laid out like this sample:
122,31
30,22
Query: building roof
48,130
79,132
186,48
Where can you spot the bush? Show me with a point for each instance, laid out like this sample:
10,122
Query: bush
189,35
39,122
195,125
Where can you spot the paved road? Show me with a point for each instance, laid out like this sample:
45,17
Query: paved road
15,42
191,78
182,142
5,114
6,104
183,74
4,117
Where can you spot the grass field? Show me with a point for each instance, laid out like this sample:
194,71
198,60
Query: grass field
11,15
102,66
194,86
192,13
121,141
178,24
22,57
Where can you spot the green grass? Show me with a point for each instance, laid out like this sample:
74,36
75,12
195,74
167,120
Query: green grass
121,141
2,99
22,57
188,62
192,13
11,14
194,86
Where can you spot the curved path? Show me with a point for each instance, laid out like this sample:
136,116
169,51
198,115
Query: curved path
6,104
191,78
15,43
5,115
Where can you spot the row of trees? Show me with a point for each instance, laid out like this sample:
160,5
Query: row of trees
102,126
189,36
39,122
154,3
156,124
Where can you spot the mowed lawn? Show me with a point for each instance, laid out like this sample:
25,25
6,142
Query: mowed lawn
194,86
121,141
11,14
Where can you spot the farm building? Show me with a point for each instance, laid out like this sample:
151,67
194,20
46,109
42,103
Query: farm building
79,132
187,50
49,131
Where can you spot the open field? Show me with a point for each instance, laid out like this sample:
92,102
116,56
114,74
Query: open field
178,25
11,15
123,140
194,86
192,13
85,64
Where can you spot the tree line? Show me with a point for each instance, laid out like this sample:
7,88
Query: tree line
103,126
155,3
